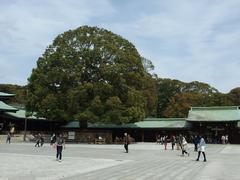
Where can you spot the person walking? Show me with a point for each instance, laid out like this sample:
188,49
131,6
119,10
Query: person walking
126,141
38,140
52,139
162,139
226,139
173,141
8,138
41,140
178,142
60,144
195,142
223,138
181,141
201,148
158,139
165,140
184,146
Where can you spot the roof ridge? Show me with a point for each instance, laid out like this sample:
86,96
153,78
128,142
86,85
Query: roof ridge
167,119
216,108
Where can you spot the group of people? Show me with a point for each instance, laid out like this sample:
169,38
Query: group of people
39,140
57,142
200,145
174,140
181,142
224,139
217,138
164,140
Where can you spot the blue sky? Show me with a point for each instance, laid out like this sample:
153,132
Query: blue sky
185,39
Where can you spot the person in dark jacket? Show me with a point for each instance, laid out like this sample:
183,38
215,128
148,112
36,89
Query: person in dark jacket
126,141
42,140
195,142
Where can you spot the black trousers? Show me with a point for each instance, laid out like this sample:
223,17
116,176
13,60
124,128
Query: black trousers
59,152
184,152
8,140
195,147
126,147
204,155
37,144
52,142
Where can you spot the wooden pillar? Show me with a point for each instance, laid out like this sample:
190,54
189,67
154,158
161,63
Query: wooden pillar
142,135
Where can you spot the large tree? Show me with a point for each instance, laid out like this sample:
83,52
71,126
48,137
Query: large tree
89,74
166,89
150,88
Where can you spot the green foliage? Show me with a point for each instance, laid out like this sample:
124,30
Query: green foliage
219,99
169,90
20,92
150,95
234,95
166,89
147,64
180,103
90,74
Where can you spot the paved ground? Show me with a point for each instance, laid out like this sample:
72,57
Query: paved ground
103,162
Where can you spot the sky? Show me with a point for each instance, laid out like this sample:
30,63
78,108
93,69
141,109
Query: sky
187,40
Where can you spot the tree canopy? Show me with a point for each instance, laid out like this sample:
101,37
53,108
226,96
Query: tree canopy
90,74
234,95
176,97
180,103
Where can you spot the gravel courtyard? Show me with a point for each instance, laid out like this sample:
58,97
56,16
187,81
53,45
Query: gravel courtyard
144,161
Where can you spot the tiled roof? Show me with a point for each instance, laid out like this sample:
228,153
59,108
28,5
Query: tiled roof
214,114
21,114
2,94
6,108
157,123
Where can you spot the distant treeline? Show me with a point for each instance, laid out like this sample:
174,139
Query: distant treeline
20,92
174,97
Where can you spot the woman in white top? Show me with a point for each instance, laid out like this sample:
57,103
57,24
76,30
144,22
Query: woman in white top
184,146
201,148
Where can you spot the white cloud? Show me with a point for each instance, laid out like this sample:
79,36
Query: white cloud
187,40
191,40
28,27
